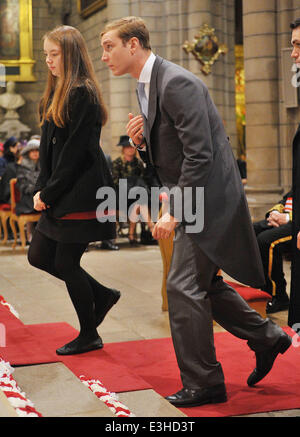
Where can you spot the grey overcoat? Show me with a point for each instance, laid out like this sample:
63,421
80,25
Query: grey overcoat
188,146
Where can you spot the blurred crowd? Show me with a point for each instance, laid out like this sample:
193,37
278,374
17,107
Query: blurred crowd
20,161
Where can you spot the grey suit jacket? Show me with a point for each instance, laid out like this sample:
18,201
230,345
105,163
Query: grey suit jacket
188,146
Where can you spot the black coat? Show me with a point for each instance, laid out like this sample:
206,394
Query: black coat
294,310
73,166
9,173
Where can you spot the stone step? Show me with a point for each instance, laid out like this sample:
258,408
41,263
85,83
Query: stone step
56,392
6,409
148,403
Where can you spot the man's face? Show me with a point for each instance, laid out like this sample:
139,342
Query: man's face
116,55
296,46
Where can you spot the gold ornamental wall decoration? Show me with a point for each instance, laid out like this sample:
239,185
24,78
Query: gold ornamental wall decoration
206,48
88,7
16,52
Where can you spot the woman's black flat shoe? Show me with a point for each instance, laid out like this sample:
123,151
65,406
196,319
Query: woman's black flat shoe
74,347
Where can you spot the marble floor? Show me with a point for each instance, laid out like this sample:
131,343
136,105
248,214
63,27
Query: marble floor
40,298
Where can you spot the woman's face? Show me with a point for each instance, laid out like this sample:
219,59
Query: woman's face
34,154
14,149
53,55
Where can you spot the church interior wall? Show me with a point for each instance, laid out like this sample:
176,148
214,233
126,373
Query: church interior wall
171,23
270,126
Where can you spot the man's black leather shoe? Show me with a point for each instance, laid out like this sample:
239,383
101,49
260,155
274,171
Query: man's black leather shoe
111,299
265,360
79,347
107,245
277,305
193,398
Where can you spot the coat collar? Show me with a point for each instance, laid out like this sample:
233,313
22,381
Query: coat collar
153,92
148,123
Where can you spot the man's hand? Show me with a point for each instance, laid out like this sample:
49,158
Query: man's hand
38,204
135,128
277,219
163,228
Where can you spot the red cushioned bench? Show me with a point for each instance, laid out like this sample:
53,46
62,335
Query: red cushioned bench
256,299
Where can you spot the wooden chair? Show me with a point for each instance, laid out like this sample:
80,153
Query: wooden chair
5,211
256,299
22,219
166,250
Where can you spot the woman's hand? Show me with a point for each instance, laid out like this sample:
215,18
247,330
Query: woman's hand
38,204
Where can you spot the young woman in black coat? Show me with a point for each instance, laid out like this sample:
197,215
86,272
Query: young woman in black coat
73,168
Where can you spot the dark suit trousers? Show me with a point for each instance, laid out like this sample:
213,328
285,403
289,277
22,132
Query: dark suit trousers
196,296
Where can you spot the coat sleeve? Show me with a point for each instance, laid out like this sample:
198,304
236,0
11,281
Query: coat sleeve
83,116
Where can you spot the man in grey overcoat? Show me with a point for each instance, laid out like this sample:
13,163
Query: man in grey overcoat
181,134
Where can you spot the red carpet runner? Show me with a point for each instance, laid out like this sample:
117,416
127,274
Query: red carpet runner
139,365
154,361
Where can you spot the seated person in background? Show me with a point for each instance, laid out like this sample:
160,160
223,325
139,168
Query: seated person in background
9,168
129,167
27,173
35,137
108,244
10,153
274,237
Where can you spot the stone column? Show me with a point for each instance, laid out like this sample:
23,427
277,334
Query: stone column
296,8
287,11
120,91
117,91
44,18
262,105
223,13
218,14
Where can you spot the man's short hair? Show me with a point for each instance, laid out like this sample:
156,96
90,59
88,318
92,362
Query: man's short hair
129,27
295,24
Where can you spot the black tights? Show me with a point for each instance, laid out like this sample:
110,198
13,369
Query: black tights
62,260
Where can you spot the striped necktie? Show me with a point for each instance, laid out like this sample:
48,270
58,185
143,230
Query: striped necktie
143,98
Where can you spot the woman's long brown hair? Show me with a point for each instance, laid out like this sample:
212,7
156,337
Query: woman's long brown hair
77,69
